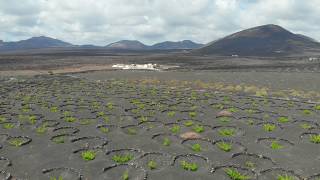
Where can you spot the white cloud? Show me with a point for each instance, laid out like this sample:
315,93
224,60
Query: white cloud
104,21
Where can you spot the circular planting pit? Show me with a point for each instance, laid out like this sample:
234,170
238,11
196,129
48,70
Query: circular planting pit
278,173
198,145
166,140
106,129
192,163
123,156
228,146
66,130
89,142
124,172
311,137
225,132
251,161
18,141
275,143
232,172
154,161
62,173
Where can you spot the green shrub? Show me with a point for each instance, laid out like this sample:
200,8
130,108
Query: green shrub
224,146
227,132
196,147
235,175
269,127
189,166
122,158
88,155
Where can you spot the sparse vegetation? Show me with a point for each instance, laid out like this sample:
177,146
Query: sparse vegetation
122,158
236,175
175,129
285,177
88,155
56,178
227,132
198,128
152,165
276,145
41,129
305,126
307,112
17,142
171,114
315,139
125,175
224,146
283,119
70,119
189,166
132,131
269,127
224,119
188,123
196,148
58,140
192,114
104,129
250,164
166,142
8,125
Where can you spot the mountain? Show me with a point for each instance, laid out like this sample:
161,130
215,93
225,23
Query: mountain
267,40
186,44
127,44
34,43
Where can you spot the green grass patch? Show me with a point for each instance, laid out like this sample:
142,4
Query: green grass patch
307,112
152,165
17,142
175,129
227,132
224,146
283,119
236,175
171,114
125,175
196,148
192,114
88,155
269,127
285,177
315,139
70,119
276,145
189,166
122,158
104,129
188,123
198,128
166,142
8,125
305,126
41,129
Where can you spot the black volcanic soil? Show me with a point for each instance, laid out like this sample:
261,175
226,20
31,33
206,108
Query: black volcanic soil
54,119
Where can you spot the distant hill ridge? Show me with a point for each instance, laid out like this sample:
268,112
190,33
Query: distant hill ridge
47,42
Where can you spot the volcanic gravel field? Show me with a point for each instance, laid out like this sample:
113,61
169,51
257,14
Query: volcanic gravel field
62,127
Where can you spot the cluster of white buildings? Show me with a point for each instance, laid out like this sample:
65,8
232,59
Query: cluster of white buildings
154,67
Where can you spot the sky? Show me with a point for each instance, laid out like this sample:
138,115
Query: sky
101,22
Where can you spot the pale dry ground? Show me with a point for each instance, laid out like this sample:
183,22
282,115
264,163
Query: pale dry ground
62,70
